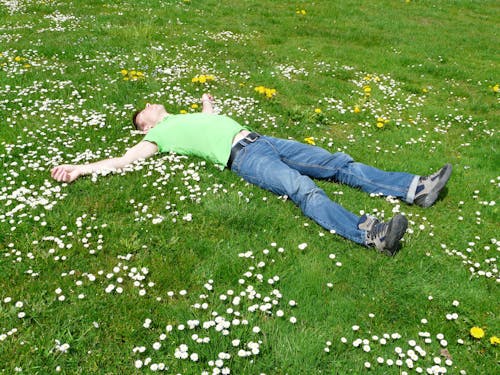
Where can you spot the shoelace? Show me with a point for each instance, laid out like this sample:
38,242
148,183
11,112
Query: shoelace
425,179
378,229
433,176
368,223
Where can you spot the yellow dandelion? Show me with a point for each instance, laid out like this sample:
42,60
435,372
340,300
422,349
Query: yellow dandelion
195,80
18,59
356,109
496,88
27,66
381,121
425,90
317,110
310,140
303,12
124,72
270,92
367,89
494,340
202,79
183,112
260,89
477,332
367,77
194,106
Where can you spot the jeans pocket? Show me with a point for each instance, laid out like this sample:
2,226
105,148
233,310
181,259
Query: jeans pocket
240,156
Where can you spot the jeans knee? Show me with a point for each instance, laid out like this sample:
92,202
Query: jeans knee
340,163
311,198
343,159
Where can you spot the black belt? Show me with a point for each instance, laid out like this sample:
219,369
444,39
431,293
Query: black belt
250,138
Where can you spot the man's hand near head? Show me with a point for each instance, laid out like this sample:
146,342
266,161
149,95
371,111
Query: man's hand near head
206,101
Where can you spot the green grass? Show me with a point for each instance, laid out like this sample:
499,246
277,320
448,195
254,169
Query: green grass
431,67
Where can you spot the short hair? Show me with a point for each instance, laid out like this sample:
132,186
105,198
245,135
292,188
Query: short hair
134,119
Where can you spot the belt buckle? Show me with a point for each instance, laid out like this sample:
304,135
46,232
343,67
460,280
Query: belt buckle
252,140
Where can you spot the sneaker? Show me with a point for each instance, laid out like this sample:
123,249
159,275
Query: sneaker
386,236
429,186
367,222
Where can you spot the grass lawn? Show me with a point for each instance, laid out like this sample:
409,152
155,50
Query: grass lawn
175,266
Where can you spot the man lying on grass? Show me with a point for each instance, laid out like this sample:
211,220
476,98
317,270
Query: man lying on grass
284,167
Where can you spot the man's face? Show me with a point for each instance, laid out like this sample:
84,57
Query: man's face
151,115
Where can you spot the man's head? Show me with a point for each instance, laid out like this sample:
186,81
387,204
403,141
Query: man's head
149,117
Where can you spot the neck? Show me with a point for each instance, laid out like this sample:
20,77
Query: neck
162,118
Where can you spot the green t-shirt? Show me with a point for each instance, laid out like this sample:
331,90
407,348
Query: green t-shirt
208,136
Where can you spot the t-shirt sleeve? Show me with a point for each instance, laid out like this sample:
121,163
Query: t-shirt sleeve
152,137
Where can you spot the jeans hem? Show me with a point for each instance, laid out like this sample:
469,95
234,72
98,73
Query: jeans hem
410,196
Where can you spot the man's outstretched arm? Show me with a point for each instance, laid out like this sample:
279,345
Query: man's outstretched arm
69,173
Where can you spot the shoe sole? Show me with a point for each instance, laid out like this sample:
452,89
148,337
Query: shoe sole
433,195
397,229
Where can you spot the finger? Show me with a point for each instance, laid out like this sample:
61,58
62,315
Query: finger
66,177
60,175
54,170
58,170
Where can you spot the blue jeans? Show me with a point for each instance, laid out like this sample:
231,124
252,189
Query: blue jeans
286,167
